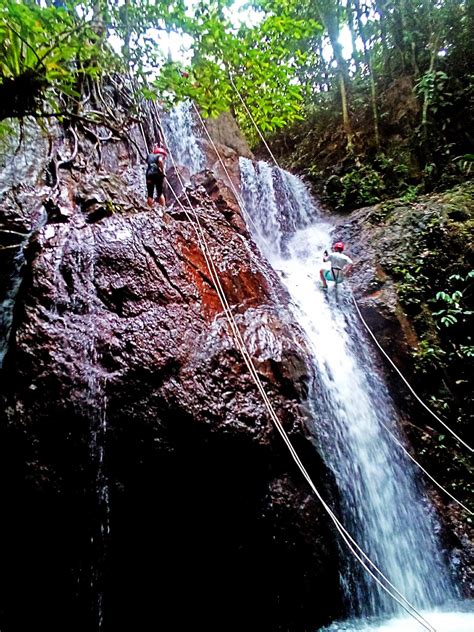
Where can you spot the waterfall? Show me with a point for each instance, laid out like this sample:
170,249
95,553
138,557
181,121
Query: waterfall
78,312
11,282
95,405
7,304
381,501
179,133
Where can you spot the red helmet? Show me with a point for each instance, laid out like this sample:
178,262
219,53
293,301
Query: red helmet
160,150
338,246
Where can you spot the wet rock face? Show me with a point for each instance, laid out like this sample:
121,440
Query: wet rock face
147,481
225,131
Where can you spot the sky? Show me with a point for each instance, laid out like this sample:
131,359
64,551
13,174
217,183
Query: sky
179,46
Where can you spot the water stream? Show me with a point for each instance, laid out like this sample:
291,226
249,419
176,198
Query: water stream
75,254
179,126
381,500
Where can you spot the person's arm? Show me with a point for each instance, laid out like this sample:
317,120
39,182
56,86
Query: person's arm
325,256
348,267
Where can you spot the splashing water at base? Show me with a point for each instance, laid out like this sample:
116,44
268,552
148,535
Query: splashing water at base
381,502
442,622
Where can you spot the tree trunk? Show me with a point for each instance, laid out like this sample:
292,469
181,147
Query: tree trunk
127,35
351,21
329,17
368,61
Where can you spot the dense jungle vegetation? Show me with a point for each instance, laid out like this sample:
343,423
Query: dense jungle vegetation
386,115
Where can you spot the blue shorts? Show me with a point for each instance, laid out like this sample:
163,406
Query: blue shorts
329,276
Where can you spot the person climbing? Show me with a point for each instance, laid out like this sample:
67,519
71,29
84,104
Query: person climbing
341,265
155,174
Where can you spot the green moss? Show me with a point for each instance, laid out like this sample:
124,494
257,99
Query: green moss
460,200
427,250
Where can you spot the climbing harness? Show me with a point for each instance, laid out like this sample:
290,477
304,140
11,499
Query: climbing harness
337,275
363,559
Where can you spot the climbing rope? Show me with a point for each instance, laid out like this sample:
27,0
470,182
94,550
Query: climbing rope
236,193
355,303
253,120
350,542
423,470
405,380
347,538
247,216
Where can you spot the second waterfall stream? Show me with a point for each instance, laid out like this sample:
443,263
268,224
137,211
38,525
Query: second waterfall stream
382,503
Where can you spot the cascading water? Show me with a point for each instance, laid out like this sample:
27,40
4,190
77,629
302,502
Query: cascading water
76,251
95,405
8,303
183,143
381,503
16,168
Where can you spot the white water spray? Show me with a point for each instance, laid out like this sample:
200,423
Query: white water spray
183,143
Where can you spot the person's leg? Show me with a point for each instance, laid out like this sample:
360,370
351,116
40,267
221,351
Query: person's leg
323,280
326,275
159,190
149,188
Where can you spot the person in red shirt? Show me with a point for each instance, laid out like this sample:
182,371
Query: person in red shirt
155,174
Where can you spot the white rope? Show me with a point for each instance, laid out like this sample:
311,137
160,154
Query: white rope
236,193
423,470
348,539
406,381
143,135
403,602
253,121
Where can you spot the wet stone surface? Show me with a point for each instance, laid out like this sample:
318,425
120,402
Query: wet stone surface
142,465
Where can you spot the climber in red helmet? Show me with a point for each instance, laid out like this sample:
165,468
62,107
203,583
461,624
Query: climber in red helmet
155,174
341,265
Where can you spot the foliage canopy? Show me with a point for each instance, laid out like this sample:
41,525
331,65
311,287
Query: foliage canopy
53,49
287,62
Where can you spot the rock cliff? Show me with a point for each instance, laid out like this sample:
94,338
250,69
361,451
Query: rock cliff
143,484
